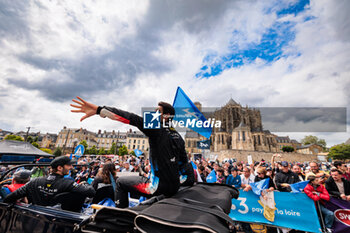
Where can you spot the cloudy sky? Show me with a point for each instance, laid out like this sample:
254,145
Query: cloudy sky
131,54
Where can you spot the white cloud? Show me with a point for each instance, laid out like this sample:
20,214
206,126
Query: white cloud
147,50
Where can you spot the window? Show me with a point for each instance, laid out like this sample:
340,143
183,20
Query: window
238,136
143,147
135,141
243,135
133,146
129,140
129,147
138,141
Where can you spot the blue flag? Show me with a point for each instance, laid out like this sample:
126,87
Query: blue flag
205,144
194,165
138,152
189,115
211,178
257,187
299,187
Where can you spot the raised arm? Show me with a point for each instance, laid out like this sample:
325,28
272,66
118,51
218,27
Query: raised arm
116,114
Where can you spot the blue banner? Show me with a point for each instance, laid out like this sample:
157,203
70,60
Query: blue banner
290,210
188,114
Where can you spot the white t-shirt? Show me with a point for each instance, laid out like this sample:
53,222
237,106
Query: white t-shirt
248,180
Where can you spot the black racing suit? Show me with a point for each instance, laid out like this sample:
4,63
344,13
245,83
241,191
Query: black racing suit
41,191
169,163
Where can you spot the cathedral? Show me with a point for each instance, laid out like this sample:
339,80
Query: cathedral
241,129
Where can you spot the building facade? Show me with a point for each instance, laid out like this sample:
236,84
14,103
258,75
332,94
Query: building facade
68,139
106,139
49,141
137,140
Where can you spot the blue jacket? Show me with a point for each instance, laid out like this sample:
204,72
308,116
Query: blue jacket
236,181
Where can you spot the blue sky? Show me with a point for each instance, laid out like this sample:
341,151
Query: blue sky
133,54
269,48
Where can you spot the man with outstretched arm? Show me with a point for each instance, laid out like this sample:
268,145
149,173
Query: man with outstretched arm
169,162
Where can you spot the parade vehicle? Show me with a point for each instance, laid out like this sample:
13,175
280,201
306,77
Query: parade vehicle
200,208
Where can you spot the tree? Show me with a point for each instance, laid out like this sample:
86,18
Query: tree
92,150
13,137
341,152
123,150
132,153
35,144
57,152
46,150
287,149
113,149
310,139
102,151
30,139
84,143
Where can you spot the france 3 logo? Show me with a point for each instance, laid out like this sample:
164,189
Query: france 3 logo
151,120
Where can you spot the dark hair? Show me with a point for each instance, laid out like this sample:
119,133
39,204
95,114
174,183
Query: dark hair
311,178
105,171
201,167
336,170
337,163
167,108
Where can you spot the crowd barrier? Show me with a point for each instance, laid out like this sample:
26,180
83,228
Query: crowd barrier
290,210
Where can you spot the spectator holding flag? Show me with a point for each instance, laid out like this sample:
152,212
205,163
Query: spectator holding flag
318,192
285,178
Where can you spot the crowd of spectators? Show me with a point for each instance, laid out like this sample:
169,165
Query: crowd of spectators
326,179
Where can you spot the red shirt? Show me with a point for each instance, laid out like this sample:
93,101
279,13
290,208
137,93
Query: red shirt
13,187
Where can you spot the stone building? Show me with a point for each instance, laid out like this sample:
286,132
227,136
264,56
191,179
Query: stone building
137,140
241,129
68,139
312,149
106,139
49,141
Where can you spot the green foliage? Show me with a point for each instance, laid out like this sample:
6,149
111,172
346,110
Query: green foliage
339,152
132,153
92,150
57,152
123,150
102,151
13,137
35,144
46,150
84,143
310,139
113,150
287,149
30,139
